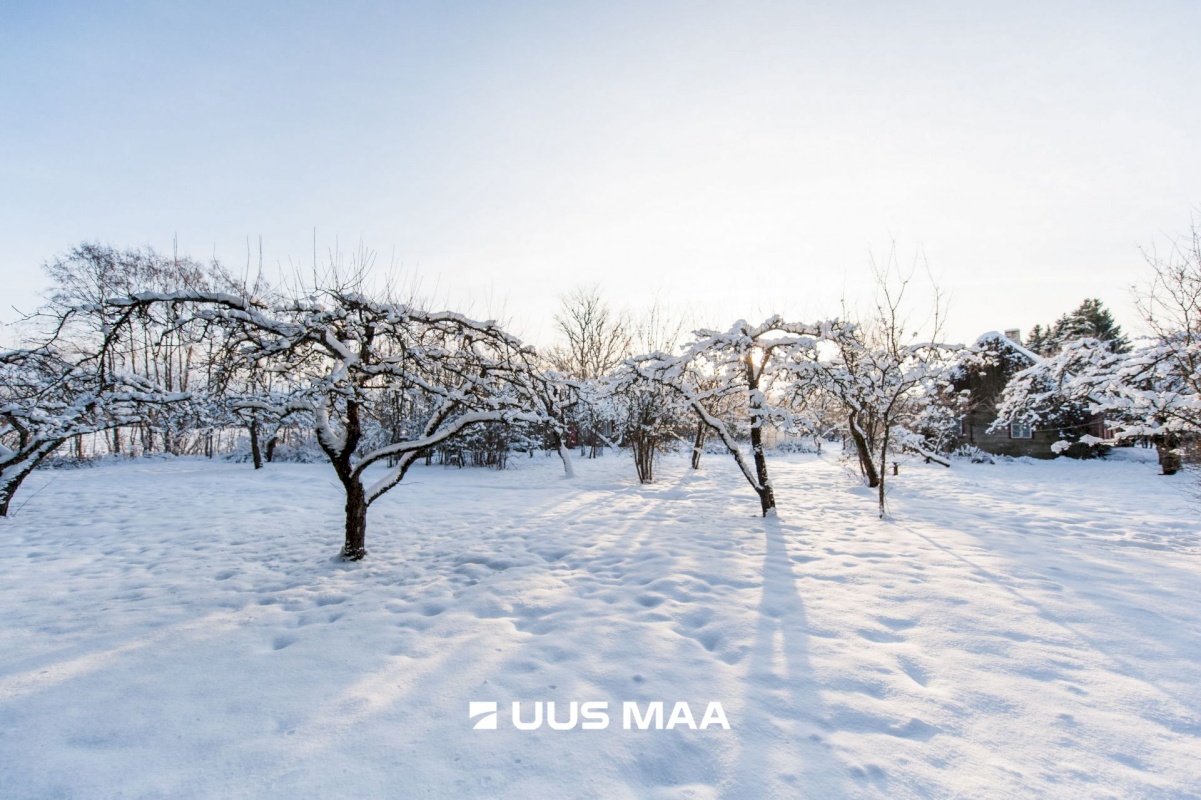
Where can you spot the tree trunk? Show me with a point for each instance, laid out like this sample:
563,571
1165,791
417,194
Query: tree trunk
6,495
355,547
644,461
10,481
256,454
883,469
1170,461
271,443
698,445
866,462
16,472
564,455
7,491
767,496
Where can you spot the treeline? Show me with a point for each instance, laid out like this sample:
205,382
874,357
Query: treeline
155,354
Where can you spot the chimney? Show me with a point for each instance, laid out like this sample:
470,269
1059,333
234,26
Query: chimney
1014,335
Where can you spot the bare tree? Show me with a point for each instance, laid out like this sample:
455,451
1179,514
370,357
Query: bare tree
752,363
167,352
885,371
48,396
649,416
345,353
556,398
816,412
1170,364
597,341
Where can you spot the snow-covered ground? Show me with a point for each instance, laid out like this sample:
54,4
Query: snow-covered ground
179,629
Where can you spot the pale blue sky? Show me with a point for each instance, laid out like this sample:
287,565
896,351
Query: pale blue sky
733,158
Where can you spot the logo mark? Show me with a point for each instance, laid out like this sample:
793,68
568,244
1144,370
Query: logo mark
594,715
486,711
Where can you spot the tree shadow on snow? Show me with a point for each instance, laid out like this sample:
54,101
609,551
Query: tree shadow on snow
785,750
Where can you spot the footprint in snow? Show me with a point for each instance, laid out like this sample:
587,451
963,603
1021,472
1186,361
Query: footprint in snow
915,729
650,600
871,773
896,624
331,600
708,640
913,670
696,618
883,637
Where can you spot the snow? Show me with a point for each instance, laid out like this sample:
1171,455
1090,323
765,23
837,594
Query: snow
180,629
1001,339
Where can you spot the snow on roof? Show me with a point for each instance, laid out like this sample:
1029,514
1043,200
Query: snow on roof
1034,358
1000,338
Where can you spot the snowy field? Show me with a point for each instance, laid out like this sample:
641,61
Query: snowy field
178,629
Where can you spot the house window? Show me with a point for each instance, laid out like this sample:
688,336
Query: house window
1020,430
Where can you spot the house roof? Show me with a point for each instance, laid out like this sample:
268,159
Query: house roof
998,339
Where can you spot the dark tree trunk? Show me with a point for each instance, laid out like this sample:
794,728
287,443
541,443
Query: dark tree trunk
1170,461
12,482
271,443
16,473
866,462
644,460
767,496
355,547
883,469
256,454
6,494
698,445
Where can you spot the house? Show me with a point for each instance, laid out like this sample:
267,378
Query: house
997,358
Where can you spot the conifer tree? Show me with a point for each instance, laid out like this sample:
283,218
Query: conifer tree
1090,320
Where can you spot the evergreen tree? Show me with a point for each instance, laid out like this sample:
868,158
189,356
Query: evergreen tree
1038,340
1094,321
1090,320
